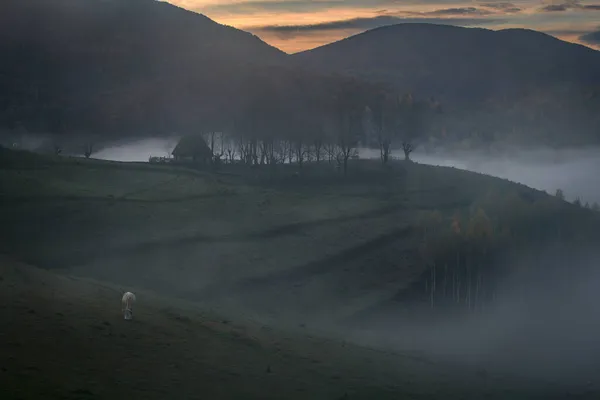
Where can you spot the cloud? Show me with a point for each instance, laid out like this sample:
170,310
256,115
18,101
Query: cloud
570,5
312,23
358,24
296,6
310,6
456,11
556,7
502,6
592,38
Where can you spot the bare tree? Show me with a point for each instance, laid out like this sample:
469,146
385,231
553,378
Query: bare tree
349,113
412,121
300,151
394,117
88,149
408,147
330,149
230,150
410,124
318,147
380,119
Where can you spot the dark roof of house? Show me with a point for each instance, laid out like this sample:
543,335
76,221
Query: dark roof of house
192,146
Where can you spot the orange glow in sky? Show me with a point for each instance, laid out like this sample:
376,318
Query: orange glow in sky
295,25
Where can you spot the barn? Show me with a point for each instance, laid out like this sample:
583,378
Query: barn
192,148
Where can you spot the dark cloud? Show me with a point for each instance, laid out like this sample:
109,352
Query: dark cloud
499,5
297,6
592,38
502,6
306,6
556,7
362,24
458,11
570,5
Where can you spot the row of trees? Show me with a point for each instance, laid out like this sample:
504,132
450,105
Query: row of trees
467,254
560,194
273,119
277,126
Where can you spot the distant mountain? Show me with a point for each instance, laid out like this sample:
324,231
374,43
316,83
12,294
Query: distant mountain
119,65
145,67
517,76
459,63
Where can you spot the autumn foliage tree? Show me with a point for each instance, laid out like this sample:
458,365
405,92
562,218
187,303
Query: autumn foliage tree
466,253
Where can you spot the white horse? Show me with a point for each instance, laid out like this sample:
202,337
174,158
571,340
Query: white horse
127,303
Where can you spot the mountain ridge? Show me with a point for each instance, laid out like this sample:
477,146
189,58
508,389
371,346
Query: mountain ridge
494,84
144,67
329,56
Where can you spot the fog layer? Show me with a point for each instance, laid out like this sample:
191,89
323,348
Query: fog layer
545,326
572,170
139,150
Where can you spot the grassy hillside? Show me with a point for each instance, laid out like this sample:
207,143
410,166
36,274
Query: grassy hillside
64,338
320,244
284,253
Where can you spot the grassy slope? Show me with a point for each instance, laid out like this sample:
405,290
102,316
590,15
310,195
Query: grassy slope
319,244
285,245
64,338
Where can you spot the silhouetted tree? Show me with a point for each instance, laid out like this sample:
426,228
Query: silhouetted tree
88,149
349,110
411,123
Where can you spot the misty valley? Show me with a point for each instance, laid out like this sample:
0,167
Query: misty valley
189,212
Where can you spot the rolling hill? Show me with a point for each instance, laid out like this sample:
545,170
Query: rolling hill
492,82
455,63
142,67
245,276
240,237
114,67
65,338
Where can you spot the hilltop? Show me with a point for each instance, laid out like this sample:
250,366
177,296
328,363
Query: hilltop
115,69
124,68
513,84
458,64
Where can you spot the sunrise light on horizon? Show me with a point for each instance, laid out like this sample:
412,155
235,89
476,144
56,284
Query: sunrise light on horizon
296,25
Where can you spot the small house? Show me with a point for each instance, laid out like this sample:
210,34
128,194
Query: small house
192,148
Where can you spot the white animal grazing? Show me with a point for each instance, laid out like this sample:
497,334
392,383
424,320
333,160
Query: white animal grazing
127,302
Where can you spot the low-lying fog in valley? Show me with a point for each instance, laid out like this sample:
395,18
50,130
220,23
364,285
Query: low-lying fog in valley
548,329
573,171
139,150
545,331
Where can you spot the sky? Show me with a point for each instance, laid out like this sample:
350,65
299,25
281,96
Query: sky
296,25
